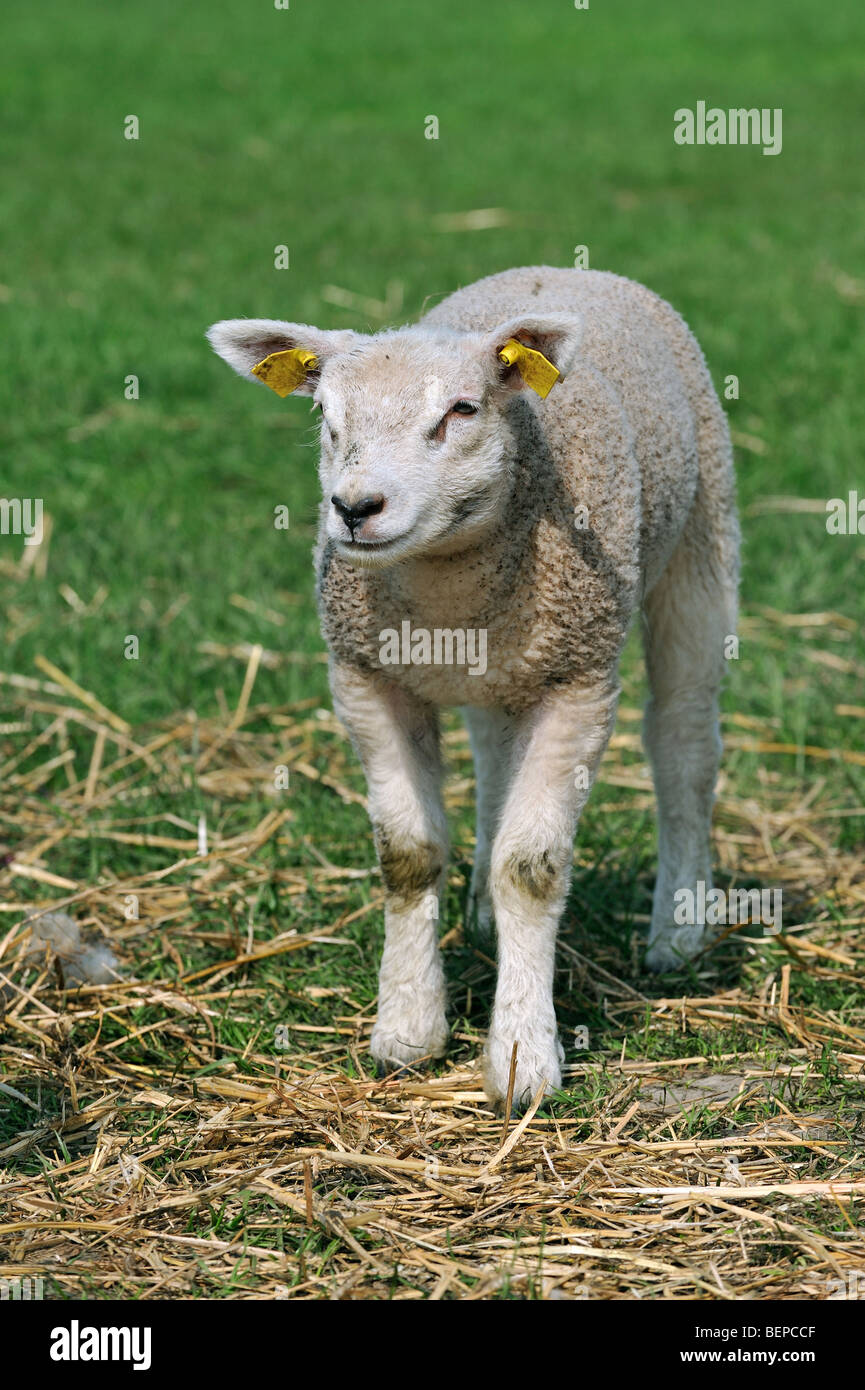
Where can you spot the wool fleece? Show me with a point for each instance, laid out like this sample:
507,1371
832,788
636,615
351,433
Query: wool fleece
607,472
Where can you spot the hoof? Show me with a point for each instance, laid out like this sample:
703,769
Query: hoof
673,949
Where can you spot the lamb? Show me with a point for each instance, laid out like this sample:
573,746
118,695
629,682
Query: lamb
461,493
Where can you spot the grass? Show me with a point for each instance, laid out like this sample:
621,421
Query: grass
259,128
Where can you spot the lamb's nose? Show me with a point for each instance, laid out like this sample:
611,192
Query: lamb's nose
353,513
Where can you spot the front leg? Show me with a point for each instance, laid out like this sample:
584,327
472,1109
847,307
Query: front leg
397,740
556,755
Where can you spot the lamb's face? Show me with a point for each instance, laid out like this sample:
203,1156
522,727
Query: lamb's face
415,446
417,451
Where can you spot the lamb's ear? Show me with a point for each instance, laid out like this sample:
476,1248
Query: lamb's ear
534,350
248,343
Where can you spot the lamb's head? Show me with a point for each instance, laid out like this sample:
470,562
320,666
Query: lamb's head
417,434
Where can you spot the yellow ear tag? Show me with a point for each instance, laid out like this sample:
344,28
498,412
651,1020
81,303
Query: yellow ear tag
283,372
536,370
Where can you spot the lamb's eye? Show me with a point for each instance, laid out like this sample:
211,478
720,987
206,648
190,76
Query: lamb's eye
458,408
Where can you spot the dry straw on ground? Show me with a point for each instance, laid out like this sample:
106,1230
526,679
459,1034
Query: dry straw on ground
254,1172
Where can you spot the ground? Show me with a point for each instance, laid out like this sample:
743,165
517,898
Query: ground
210,1125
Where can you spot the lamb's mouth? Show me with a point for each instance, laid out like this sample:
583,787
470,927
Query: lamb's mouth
370,545
364,552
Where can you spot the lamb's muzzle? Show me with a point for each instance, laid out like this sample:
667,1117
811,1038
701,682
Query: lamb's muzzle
458,502
355,513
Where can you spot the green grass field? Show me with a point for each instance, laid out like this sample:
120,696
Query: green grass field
304,127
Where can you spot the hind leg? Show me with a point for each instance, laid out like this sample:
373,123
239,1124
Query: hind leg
491,734
689,615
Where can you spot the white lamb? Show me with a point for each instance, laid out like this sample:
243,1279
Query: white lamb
462,503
